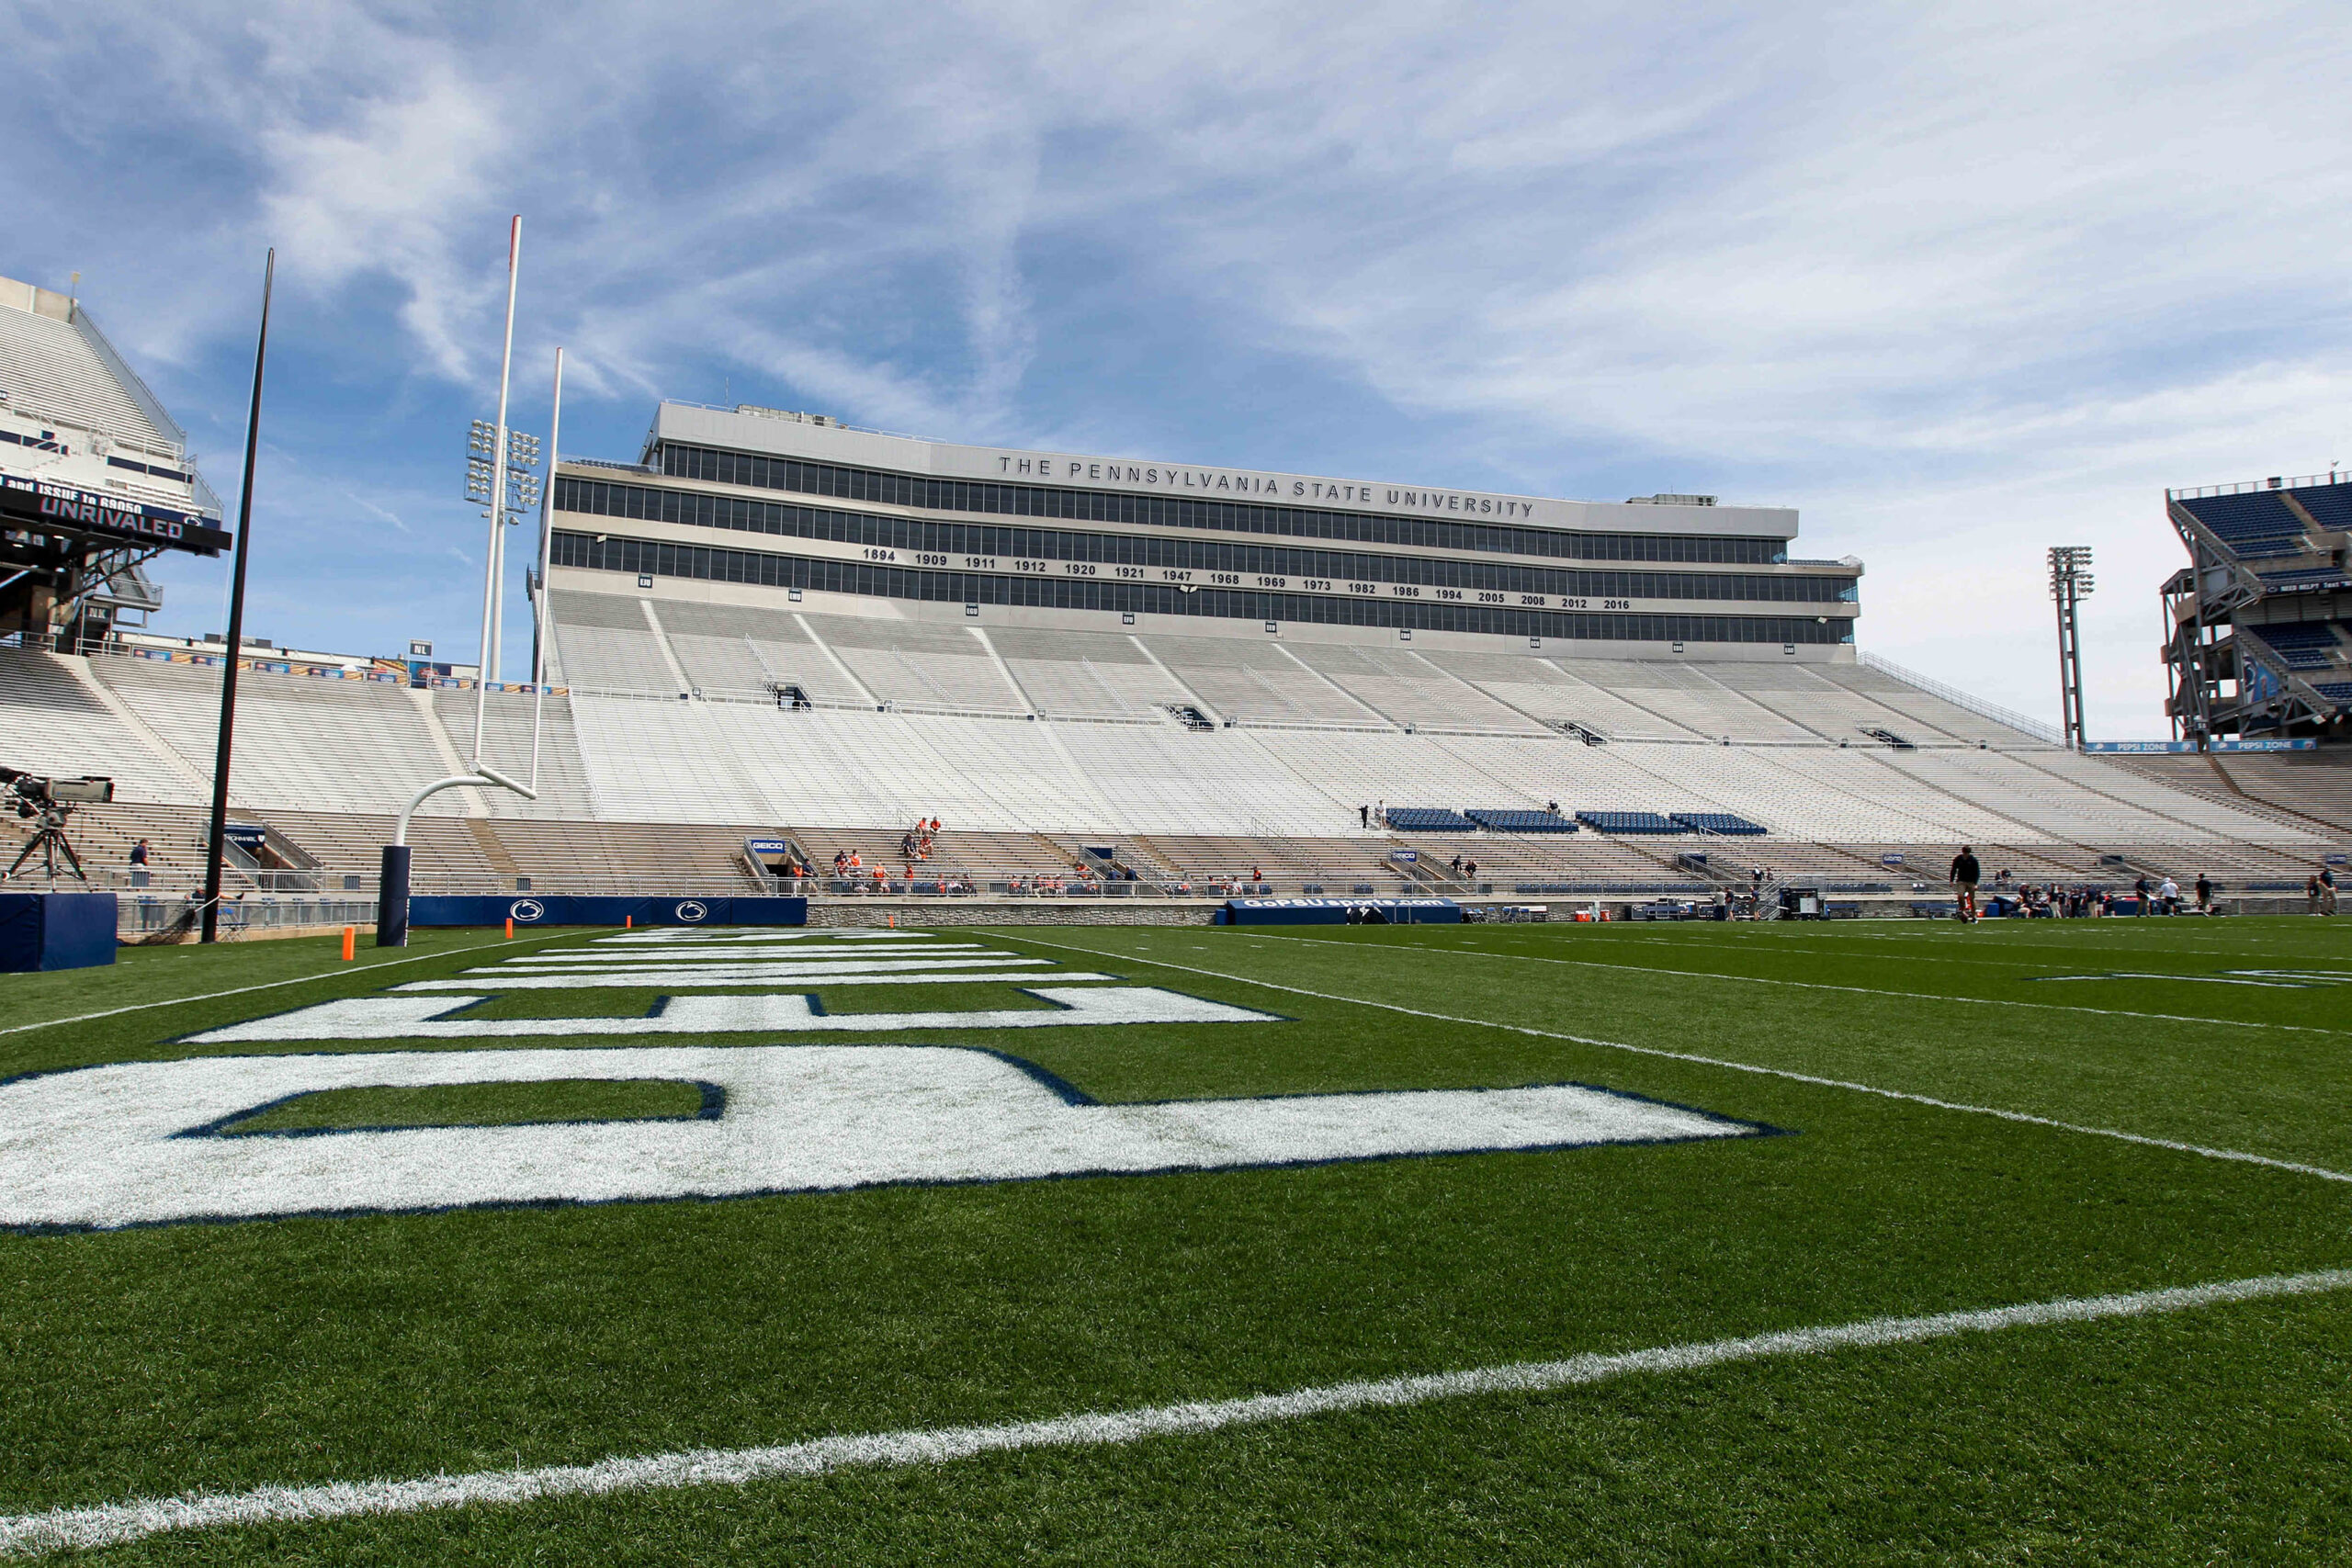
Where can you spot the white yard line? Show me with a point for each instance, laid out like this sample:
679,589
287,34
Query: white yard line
269,985
1995,931
2237,1154
1824,985
66,1529
703,979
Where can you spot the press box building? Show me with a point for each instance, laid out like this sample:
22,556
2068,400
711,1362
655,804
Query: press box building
788,513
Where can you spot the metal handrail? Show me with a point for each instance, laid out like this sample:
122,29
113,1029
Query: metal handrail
2299,481
1961,699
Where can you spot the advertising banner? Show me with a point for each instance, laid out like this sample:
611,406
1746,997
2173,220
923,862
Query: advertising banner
2145,747
40,505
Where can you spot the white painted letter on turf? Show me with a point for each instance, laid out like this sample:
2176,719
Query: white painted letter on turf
409,1017
131,1144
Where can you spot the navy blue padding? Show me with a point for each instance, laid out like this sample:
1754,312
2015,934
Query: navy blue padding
567,909
21,925
1429,819
1515,821
56,930
1334,911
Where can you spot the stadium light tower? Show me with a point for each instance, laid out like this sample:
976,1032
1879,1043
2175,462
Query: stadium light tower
2070,583
482,476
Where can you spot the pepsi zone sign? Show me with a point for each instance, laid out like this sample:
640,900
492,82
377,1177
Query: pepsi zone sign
60,508
2145,748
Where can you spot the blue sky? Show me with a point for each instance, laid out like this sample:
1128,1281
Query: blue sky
1959,282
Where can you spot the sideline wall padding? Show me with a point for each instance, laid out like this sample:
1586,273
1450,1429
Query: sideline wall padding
564,910
55,931
1337,911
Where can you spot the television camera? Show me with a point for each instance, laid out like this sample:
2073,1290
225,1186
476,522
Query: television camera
51,801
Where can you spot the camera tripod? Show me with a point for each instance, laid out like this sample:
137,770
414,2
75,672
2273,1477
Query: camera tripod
47,842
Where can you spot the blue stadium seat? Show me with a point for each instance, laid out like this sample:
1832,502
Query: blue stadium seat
2304,644
2330,505
1429,819
1631,822
1716,822
2306,575
1503,821
2253,523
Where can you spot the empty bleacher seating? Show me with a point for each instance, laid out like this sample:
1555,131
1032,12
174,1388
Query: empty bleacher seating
2253,523
1033,744
1428,819
1086,673
2303,645
1259,683
919,664
1515,821
1645,822
52,724
1718,822
2330,505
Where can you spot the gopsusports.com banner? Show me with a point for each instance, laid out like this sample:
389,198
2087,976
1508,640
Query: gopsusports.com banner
1342,911
567,909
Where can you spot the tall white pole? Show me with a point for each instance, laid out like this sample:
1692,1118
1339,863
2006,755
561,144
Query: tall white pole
546,551
492,621
506,378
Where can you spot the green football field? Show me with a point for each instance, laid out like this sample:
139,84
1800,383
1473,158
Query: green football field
1861,1242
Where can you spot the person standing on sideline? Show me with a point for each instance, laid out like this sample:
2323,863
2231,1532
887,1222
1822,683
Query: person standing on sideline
2168,895
2204,894
2326,891
2310,894
1965,873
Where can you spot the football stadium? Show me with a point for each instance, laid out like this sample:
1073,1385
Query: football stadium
989,1005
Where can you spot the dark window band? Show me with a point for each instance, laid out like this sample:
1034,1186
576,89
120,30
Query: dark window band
1178,511
708,563
596,498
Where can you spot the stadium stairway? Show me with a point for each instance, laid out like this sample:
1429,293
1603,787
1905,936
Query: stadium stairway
2311,790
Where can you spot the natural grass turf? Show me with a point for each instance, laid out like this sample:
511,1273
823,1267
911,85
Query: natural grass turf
2212,1440
145,1362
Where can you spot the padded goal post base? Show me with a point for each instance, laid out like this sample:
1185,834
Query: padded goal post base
55,931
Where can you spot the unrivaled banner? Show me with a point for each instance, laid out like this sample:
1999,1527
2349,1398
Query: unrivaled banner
62,508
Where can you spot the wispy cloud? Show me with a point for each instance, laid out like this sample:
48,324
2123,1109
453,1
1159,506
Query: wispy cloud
1959,281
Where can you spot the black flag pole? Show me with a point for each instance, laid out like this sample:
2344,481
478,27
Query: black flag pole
215,847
